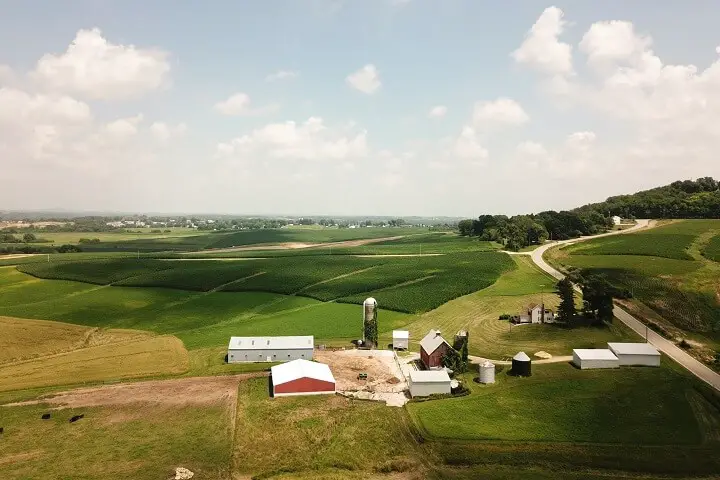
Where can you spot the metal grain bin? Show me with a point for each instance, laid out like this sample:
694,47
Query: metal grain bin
487,372
521,365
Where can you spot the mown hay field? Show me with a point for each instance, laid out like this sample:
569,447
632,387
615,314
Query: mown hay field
124,356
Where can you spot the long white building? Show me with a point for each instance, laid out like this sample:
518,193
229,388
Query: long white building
587,358
634,354
270,349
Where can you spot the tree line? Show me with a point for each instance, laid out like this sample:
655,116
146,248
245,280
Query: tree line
681,199
523,230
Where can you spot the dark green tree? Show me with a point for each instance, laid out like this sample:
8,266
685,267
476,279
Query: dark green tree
566,310
29,237
464,350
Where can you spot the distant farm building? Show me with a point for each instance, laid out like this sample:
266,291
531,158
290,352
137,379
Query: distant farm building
424,383
301,377
535,314
433,348
460,339
270,349
636,354
616,220
521,365
400,339
587,358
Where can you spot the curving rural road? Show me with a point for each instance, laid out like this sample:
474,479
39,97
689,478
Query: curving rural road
697,368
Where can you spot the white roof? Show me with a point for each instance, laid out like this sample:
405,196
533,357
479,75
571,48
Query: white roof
274,343
401,334
487,364
521,357
287,372
432,341
594,354
370,301
633,349
429,376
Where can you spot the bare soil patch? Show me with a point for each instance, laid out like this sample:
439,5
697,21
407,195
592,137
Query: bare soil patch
176,392
347,364
298,245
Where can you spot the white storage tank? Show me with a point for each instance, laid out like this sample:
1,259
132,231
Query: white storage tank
487,372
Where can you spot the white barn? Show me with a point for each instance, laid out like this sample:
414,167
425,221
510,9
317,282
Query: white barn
636,354
270,349
400,339
587,358
424,383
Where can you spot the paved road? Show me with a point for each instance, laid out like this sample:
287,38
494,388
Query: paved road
697,368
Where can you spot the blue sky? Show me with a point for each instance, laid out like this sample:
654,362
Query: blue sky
589,107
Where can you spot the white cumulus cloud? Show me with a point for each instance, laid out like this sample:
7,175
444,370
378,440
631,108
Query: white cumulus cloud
542,48
467,146
366,80
164,131
503,111
310,140
93,67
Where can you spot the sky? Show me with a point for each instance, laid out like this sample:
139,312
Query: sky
348,107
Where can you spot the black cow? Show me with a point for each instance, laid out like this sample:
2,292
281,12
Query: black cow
76,418
45,416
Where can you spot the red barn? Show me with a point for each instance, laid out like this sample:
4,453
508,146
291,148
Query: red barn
432,349
301,377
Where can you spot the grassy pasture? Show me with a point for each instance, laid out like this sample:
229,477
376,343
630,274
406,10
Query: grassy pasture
712,249
23,339
139,441
317,435
560,403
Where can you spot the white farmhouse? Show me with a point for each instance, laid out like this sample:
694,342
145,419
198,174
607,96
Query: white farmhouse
536,314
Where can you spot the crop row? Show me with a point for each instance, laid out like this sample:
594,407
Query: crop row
100,272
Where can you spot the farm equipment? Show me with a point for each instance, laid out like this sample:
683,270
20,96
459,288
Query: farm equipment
362,376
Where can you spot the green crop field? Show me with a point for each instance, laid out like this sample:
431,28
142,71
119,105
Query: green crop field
671,276
408,284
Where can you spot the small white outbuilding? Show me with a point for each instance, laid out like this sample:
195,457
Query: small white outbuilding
587,358
424,383
401,339
636,354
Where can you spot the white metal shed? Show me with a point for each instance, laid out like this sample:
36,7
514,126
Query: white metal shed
400,339
632,354
586,358
424,383
270,349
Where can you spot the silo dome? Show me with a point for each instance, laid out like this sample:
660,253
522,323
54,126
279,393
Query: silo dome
370,301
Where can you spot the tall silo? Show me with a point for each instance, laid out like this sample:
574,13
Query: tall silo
487,372
521,365
370,321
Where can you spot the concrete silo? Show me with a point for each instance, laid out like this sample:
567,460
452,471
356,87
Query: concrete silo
487,372
370,330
